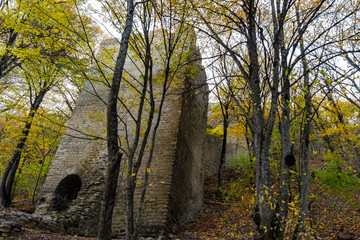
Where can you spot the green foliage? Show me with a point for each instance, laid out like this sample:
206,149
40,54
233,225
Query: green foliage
276,142
242,160
25,181
48,30
245,180
44,138
336,177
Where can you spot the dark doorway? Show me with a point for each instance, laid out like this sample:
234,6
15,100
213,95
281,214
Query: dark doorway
66,192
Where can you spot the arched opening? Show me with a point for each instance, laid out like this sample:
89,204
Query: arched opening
66,192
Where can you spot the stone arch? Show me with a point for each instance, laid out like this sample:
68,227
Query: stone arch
66,191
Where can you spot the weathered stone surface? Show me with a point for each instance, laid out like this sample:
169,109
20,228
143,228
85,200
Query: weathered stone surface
235,147
9,225
211,155
176,178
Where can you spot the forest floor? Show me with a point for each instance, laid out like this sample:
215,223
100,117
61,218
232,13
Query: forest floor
228,216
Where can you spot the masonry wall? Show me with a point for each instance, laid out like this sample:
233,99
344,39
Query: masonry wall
211,155
174,192
235,147
157,196
175,188
83,155
186,193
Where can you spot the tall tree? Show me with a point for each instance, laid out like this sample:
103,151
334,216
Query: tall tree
266,52
160,48
48,52
114,154
39,89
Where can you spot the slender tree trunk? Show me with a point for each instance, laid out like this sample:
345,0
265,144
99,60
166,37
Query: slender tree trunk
110,187
305,181
114,156
344,152
37,182
305,147
133,168
148,81
357,159
248,142
280,62
264,213
282,206
8,177
138,222
225,113
130,208
5,196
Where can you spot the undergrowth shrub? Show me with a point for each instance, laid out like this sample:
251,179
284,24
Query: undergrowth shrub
241,160
245,169
339,179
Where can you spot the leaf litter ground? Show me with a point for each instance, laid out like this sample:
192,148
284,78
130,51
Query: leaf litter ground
221,217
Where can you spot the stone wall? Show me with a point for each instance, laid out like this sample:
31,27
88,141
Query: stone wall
160,179
186,193
174,192
235,146
81,155
9,228
211,155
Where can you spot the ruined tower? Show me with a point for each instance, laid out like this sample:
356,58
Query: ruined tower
73,188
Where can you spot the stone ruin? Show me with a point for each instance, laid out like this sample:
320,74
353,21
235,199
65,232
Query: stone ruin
72,191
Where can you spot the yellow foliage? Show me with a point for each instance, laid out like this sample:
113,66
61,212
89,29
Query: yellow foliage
218,131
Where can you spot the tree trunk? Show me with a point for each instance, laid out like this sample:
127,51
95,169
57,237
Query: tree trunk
264,214
114,156
278,13
8,177
305,147
133,168
37,182
282,206
225,113
130,208
137,224
109,197
305,181
357,160
165,86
